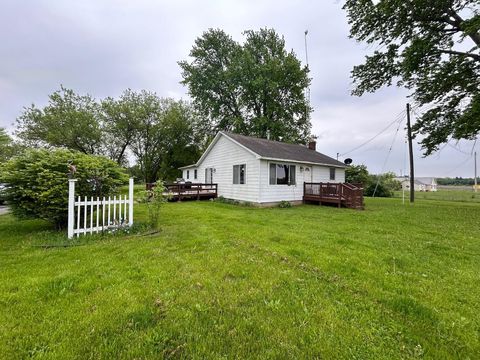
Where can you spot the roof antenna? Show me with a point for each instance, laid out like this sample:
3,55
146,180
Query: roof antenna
307,90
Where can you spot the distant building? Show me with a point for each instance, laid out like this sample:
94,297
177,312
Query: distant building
419,183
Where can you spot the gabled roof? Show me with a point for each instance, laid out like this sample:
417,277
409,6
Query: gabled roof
418,180
426,180
273,150
276,150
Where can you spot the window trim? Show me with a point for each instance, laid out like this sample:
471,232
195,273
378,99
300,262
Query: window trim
239,174
188,174
195,174
290,172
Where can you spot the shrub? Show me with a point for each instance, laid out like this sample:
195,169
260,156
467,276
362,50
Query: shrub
37,186
386,185
382,190
284,204
154,199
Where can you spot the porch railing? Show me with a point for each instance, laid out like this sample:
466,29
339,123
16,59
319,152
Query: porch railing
345,194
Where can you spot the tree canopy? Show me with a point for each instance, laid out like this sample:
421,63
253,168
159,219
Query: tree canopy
255,88
162,134
69,120
431,47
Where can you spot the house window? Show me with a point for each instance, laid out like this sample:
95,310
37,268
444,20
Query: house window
281,174
332,173
188,174
195,174
239,174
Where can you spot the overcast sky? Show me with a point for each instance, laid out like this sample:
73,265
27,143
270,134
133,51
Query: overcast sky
102,47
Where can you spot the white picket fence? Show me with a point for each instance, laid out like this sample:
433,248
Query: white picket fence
97,215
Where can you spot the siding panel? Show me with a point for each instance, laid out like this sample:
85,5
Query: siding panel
222,157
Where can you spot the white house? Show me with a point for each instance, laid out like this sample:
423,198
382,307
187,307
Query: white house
419,183
260,170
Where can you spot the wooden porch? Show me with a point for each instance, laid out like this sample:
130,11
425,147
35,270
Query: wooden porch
179,192
340,194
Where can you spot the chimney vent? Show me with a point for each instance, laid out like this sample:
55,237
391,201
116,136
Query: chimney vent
312,145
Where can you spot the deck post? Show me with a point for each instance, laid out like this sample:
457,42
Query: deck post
198,192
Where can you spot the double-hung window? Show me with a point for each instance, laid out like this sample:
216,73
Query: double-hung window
332,173
195,174
239,172
282,174
188,174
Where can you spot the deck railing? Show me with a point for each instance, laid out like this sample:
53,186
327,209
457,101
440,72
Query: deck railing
188,190
339,193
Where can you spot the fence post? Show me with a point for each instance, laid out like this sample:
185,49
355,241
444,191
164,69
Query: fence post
71,206
130,202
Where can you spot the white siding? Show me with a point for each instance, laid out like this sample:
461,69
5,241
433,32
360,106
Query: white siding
274,193
322,174
222,156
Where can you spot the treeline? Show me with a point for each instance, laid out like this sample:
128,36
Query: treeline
456,181
160,134
377,185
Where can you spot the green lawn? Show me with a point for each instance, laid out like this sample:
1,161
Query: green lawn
443,194
225,281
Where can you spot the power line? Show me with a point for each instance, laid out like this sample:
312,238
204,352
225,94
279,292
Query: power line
459,165
388,156
377,135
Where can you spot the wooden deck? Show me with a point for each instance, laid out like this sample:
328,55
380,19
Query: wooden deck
179,192
340,194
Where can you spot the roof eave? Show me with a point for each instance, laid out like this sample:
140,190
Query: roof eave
303,162
187,166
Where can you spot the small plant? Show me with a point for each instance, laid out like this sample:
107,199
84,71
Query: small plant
247,204
284,204
154,199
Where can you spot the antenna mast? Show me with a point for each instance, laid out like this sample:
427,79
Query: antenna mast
307,91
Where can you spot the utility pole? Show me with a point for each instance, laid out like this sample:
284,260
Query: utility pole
475,179
410,153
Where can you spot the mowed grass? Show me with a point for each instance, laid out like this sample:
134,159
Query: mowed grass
224,281
451,194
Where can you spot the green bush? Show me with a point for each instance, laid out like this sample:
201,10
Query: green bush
37,182
382,190
284,204
386,185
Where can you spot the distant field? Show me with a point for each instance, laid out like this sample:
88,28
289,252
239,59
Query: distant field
454,193
222,282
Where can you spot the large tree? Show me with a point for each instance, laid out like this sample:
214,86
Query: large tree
69,120
8,147
255,88
166,137
120,120
431,47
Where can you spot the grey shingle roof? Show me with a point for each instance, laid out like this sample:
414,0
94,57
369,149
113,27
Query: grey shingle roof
279,150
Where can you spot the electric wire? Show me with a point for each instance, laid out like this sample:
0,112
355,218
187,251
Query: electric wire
377,135
388,156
